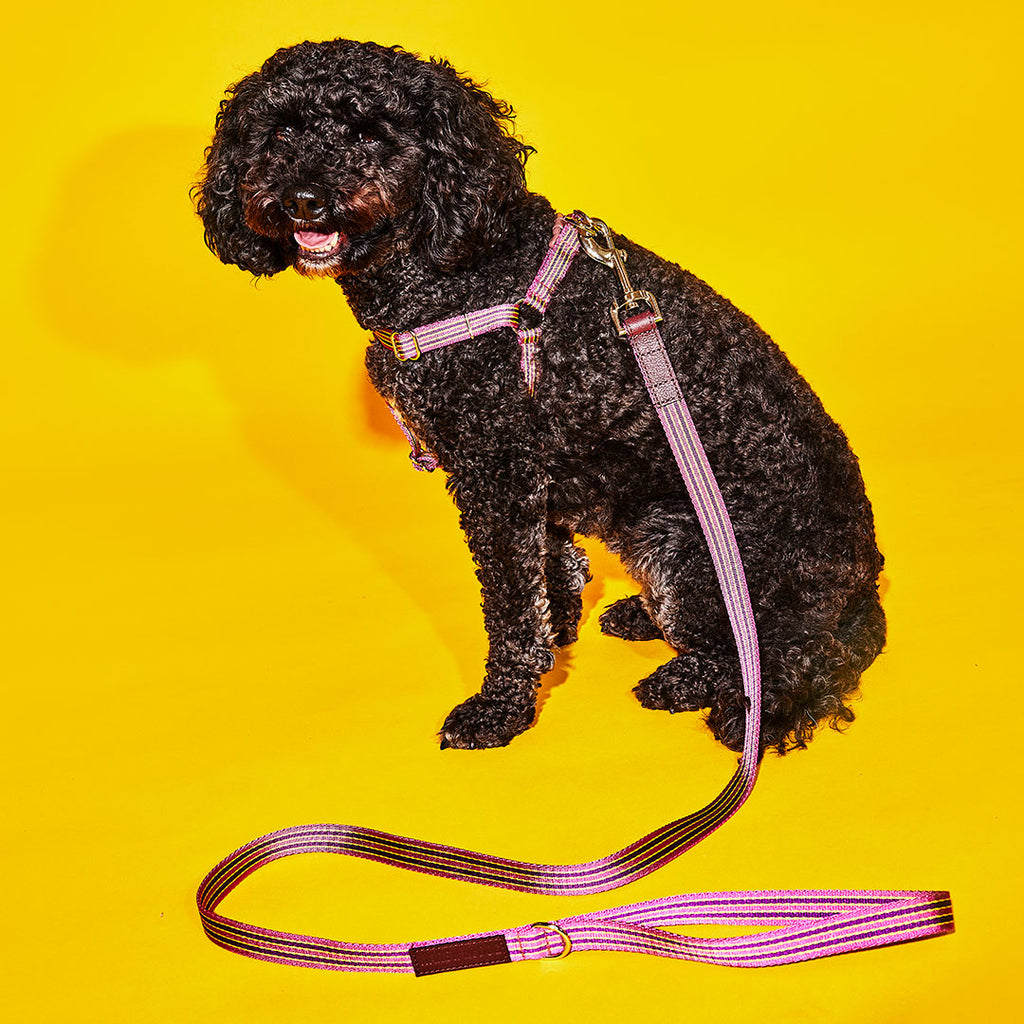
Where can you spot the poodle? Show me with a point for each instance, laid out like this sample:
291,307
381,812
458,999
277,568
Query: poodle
403,181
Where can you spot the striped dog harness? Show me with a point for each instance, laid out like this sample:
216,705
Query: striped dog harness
806,924
524,317
564,245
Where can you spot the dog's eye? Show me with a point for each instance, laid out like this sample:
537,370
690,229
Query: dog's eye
365,138
284,132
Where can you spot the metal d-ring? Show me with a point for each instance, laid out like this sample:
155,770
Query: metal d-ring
550,926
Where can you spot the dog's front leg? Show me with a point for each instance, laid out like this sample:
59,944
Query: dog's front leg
502,501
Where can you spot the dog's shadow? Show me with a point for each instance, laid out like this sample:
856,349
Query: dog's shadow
147,292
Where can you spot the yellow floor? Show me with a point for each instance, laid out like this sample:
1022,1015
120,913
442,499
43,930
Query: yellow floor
232,606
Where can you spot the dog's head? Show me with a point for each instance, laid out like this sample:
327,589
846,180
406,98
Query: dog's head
336,156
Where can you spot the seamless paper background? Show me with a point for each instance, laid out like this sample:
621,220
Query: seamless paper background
231,606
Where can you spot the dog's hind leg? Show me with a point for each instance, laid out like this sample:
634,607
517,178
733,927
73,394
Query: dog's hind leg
805,683
566,572
682,604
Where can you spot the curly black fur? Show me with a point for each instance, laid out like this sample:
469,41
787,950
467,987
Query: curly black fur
405,183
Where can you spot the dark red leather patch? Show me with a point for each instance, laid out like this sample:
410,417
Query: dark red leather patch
460,954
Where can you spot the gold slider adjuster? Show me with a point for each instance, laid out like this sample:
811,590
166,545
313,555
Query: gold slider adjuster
550,926
389,339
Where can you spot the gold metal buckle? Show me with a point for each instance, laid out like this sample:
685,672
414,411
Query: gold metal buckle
550,926
389,339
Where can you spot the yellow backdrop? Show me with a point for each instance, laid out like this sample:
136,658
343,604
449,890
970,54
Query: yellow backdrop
233,607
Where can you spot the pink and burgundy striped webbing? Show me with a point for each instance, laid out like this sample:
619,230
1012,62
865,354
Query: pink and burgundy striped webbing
805,924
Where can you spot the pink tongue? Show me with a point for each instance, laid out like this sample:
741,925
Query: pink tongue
311,239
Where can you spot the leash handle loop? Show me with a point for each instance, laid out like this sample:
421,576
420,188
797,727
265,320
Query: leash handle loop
805,924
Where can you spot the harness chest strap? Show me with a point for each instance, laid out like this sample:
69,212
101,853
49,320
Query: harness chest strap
559,256
412,344
808,923
409,345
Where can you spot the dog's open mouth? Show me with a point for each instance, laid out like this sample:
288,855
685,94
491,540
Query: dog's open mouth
315,244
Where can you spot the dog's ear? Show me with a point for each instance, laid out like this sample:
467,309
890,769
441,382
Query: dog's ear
218,196
474,169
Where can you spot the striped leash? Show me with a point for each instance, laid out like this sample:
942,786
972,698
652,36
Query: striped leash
806,924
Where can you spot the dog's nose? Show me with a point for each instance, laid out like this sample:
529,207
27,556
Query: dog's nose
305,202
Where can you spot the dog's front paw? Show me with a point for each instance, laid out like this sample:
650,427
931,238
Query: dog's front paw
565,634
484,722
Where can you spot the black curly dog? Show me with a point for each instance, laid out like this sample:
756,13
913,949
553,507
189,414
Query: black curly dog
402,180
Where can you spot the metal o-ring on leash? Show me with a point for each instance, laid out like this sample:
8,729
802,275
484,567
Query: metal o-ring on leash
550,926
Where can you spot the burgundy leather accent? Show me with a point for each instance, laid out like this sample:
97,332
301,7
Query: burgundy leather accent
439,957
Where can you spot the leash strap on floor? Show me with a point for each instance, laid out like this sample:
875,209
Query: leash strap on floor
805,924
